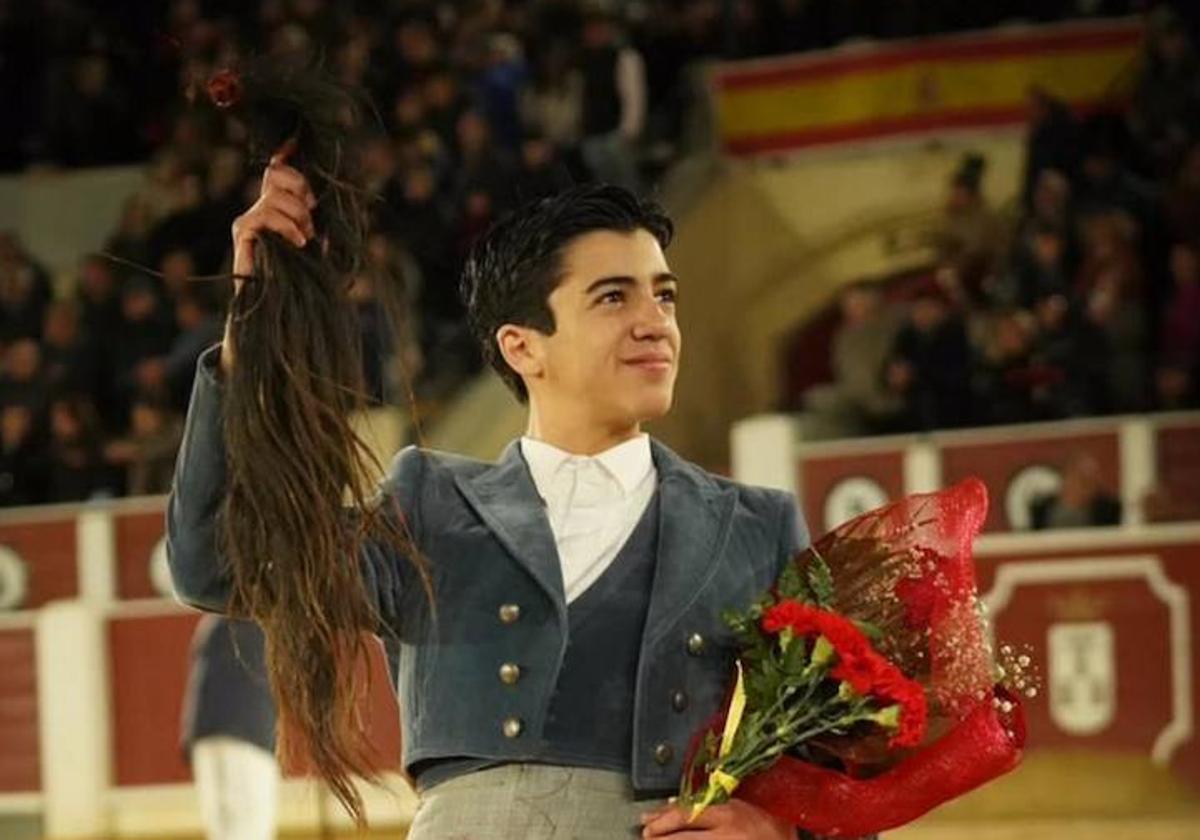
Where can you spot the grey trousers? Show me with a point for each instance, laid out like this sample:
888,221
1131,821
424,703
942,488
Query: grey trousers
531,802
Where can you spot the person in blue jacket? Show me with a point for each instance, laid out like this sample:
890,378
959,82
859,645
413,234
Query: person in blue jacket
577,642
228,730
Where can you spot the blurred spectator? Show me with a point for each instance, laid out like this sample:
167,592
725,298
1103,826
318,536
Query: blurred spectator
1180,359
415,50
147,454
99,297
1052,143
1039,267
21,473
24,292
745,32
379,161
69,362
228,730
90,117
1071,356
552,104
791,25
1043,252
223,186
971,236
614,101
1082,500
74,469
197,328
1166,103
191,226
1182,205
1051,199
130,240
1110,288
930,366
482,166
444,102
858,401
418,217
542,171
1006,381
408,112
177,267
146,333
499,87
477,213
353,60
1106,183
21,380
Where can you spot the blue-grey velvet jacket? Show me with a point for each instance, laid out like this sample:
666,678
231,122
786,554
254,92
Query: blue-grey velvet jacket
484,531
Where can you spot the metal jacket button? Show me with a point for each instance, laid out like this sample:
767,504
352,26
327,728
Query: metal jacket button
663,753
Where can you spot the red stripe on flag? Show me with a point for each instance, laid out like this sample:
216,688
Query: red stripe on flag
988,48
788,140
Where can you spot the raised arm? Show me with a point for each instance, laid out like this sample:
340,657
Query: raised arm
201,575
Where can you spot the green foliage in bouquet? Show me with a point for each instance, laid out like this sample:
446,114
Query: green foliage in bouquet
804,672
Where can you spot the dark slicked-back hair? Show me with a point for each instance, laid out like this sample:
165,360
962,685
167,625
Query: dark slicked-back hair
514,267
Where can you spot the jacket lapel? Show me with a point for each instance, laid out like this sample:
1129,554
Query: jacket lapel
695,514
506,499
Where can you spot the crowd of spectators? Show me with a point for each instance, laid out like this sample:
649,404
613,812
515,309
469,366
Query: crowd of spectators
1083,301
473,107
477,105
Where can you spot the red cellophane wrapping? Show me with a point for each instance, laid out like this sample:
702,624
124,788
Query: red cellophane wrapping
907,568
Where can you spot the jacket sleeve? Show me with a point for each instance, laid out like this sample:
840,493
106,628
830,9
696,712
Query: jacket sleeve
793,534
198,571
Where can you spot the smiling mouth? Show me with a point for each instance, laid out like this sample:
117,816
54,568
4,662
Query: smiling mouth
657,363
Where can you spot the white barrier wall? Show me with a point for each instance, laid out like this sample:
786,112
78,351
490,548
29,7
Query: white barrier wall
95,653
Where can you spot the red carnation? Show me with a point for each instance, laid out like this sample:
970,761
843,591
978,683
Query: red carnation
801,618
846,638
856,670
892,686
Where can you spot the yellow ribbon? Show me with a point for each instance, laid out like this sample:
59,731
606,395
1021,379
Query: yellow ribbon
737,707
727,782
719,779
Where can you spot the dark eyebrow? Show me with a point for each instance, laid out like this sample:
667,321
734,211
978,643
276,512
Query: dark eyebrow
665,277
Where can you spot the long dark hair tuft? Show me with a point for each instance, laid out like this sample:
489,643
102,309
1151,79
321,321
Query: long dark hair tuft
299,507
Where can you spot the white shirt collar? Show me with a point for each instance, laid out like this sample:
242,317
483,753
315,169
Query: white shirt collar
628,463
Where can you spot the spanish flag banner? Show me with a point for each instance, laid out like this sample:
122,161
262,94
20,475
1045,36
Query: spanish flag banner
889,90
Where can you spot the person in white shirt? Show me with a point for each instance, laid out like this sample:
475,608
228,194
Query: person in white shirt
577,642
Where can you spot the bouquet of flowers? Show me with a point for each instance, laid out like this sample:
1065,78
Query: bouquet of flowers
867,692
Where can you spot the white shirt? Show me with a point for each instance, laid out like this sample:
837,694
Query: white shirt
593,503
